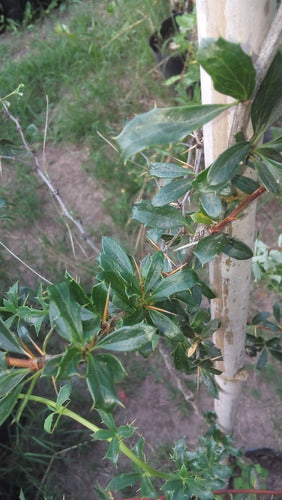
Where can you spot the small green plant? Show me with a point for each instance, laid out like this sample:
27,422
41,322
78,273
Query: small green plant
267,263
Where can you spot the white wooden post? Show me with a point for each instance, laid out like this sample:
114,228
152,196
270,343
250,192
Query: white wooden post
246,22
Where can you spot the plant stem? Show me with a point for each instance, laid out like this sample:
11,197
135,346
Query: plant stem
233,215
94,428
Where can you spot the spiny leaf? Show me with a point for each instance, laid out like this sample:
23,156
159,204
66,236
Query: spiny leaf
267,106
228,163
231,69
168,170
164,126
210,246
237,249
65,313
127,338
8,339
158,217
171,192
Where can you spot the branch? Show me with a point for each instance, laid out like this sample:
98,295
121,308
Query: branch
33,364
52,189
25,264
187,394
233,215
268,51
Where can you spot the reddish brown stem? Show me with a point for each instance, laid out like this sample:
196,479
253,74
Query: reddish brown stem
218,227
31,364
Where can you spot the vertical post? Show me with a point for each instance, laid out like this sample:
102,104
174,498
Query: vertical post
247,23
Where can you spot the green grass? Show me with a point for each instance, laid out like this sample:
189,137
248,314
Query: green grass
93,61
94,64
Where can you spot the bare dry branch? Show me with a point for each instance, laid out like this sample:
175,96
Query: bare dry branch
64,211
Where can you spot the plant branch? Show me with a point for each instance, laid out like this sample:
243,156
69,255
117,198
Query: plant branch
233,215
24,263
262,65
65,212
94,428
186,393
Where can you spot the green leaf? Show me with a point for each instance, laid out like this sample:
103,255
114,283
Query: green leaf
228,163
207,378
3,364
267,106
177,282
8,339
8,402
164,126
108,420
51,367
100,383
171,192
127,338
276,311
113,450
207,291
166,326
33,317
115,253
168,170
147,488
22,497
237,249
9,379
154,271
48,423
200,218
262,360
123,481
99,297
77,292
68,366
65,313
210,246
245,184
114,366
274,144
202,186
158,217
211,204
231,69
277,354
91,324
266,176
126,431
104,434
64,394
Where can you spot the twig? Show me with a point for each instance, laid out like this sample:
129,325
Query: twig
233,215
268,51
187,394
24,263
52,189
53,458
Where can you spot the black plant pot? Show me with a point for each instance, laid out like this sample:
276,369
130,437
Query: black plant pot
170,64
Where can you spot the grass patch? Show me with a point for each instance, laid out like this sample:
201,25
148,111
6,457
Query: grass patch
93,61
